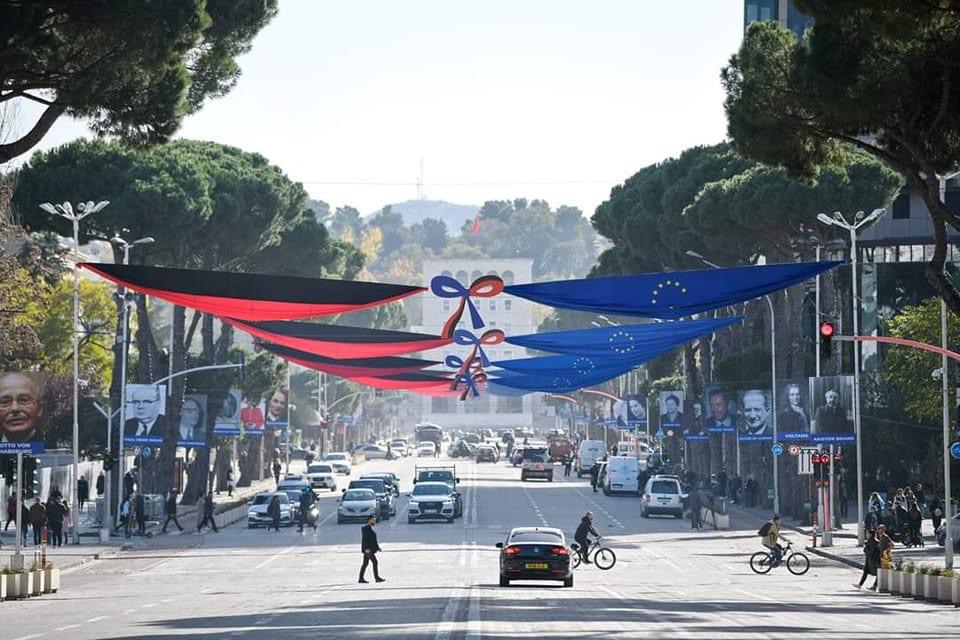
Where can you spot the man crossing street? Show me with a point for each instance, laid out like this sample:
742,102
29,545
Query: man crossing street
170,508
370,548
208,513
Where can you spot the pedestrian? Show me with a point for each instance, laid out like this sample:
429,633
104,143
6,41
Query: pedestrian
24,521
55,514
871,559
230,482
276,471
38,520
886,548
273,510
921,495
722,482
140,513
567,464
101,484
170,508
129,482
83,491
914,522
736,485
68,520
208,513
125,516
843,498
370,548
695,503
595,475
872,519
936,511
11,510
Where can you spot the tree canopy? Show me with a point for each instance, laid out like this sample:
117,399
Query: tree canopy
878,76
79,59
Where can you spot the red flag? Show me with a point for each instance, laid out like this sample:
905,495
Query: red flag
475,229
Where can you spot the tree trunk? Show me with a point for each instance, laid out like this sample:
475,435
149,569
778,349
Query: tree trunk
168,451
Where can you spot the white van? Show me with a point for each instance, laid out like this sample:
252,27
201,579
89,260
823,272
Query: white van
590,451
622,475
662,495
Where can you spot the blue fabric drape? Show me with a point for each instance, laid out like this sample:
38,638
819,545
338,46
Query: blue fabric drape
624,341
669,295
554,383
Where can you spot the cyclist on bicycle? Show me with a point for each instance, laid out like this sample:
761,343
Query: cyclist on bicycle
582,535
769,535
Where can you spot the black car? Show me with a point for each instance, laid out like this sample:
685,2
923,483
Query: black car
486,454
535,553
389,478
388,506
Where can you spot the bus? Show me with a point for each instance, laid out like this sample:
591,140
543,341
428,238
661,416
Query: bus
429,432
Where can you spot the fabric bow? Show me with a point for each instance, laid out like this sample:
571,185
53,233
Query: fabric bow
470,381
449,287
488,338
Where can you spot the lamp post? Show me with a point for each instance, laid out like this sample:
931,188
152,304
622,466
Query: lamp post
65,210
125,247
109,413
860,220
773,385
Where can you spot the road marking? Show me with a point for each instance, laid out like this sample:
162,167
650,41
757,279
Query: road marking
599,507
272,558
97,619
32,635
474,555
474,622
535,506
445,628
65,627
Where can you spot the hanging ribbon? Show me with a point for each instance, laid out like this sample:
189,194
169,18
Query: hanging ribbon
448,287
488,338
470,381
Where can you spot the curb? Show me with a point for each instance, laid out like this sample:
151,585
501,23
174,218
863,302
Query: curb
831,556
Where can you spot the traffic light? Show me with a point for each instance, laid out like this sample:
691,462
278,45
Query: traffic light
827,331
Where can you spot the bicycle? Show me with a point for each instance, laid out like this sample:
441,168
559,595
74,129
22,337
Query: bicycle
797,563
603,557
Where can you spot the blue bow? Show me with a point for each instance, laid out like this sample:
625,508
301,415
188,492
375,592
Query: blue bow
482,287
468,338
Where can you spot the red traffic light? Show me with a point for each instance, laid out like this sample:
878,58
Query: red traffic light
827,329
815,458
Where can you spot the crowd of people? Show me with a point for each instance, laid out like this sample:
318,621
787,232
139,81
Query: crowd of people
903,514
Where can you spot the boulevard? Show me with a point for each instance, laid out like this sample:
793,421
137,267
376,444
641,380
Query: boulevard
669,581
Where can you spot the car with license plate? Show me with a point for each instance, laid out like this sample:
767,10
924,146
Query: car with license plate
662,495
431,501
486,453
536,464
321,475
357,505
388,505
426,450
390,478
446,475
400,448
622,475
257,515
341,461
535,553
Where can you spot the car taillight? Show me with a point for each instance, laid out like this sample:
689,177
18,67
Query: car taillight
512,550
560,551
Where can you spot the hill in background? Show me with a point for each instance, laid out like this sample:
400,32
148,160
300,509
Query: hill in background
414,211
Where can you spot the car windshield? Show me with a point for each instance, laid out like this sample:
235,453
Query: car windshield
299,486
319,468
430,490
358,494
265,498
545,537
335,456
386,480
398,443
538,455
664,486
435,476
376,485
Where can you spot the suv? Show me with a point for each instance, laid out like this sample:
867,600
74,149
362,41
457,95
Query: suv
320,475
430,500
536,464
388,507
389,478
662,494
446,475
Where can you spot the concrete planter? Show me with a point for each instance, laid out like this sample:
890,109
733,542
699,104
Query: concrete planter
955,592
884,578
945,588
722,519
930,590
3,588
914,587
36,587
12,583
896,581
23,585
51,580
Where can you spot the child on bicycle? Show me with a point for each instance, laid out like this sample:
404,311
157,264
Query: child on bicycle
769,535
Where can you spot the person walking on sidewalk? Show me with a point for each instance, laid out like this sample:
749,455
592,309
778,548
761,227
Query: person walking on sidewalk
914,522
230,482
55,516
936,511
38,520
886,548
208,513
139,507
170,508
83,491
370,547
125,516
695,503
273,510
595,475
11,511
567,464
871,560
101,484
276,471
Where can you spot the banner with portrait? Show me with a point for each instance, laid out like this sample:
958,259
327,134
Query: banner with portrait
671,409
794,416
22,426
755,423
832,398
146,414
693,421
721,409
630,412
265,414
193,421
227,420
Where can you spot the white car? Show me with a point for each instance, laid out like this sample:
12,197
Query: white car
400,448
257,512
954,532
431,500
357,504
662,494
371,451
340,461
426,449
320,475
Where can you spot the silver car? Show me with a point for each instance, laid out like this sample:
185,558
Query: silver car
257,512
357,505
431,501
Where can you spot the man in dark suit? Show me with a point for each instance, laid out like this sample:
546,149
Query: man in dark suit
147,420
370,547
831,417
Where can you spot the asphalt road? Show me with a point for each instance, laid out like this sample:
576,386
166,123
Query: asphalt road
669,581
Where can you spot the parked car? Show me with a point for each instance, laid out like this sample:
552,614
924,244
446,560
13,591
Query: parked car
341,462
663,494
357,505
257,511
321,475
371,451
535,553
431,500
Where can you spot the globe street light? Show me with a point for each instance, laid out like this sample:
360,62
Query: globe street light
65,210
860,220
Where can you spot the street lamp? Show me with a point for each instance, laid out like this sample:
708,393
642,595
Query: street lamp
65,210
773,386
860,221
125,247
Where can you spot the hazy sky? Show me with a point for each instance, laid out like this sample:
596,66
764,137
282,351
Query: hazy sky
550,99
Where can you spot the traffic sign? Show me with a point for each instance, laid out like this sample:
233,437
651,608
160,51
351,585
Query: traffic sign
145,452
955,450
805,461
777,448
669,433
793,450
